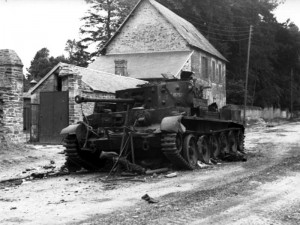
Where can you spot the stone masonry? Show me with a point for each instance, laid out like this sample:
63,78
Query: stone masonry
147,31
77,87
11,98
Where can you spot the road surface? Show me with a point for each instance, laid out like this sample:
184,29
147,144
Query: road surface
264,190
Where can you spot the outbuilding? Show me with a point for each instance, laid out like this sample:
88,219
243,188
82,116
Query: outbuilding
52,99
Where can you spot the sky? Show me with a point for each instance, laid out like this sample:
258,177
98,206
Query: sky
27,26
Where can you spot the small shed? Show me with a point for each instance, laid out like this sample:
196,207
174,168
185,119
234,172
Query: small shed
52,99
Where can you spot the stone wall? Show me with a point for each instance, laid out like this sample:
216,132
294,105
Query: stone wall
147,31
77,87
11,98
268,113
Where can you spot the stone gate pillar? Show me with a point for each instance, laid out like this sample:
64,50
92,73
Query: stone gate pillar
11,98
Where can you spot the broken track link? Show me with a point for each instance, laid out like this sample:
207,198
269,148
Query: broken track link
171,151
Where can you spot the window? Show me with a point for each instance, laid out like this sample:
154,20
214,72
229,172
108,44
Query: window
204,67
213,71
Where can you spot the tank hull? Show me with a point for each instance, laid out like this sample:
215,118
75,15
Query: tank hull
167,122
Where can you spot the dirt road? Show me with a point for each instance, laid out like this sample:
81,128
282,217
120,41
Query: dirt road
263,190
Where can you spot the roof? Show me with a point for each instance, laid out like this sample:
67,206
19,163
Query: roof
96,80
187,30
9,57
145,65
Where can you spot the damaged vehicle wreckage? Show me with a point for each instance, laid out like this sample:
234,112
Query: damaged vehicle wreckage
167,123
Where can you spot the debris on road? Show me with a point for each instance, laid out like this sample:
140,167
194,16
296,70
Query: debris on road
122,179
202,165
234,157
161,170
170,175
150,200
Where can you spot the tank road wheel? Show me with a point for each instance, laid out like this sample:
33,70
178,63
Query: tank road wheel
240,140
232,140
203,149
171,146
224,146
190,150
214,146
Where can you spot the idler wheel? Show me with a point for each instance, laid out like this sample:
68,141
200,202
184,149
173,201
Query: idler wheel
214,146
179,142
203,149
232,140
190,150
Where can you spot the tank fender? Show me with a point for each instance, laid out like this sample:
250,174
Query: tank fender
71,129
172,124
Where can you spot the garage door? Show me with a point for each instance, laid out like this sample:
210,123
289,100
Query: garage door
54,116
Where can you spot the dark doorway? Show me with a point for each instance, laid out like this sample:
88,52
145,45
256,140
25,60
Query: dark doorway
54,116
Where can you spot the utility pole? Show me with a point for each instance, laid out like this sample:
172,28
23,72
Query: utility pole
247,73
292,74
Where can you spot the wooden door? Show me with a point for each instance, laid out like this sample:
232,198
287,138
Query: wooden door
54,116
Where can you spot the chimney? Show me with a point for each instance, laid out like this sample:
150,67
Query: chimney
121,67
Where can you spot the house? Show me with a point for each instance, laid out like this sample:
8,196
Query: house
11,101
153,41
52,99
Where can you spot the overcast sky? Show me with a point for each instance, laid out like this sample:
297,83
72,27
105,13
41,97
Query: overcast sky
26,26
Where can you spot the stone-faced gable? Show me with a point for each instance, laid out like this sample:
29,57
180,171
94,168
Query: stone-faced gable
147,31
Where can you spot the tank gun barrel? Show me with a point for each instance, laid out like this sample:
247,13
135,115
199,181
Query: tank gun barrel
79,99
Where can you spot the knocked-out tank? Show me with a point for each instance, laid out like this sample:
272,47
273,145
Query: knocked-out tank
168,122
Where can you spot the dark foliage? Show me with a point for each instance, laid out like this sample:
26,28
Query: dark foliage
41,64
102,20
77,53
274,50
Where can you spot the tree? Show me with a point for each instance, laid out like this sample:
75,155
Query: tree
102,20
77,53
275,47
41,64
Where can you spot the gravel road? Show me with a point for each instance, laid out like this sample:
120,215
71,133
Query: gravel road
263,190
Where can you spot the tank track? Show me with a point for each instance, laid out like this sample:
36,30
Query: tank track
74,161
169,149
241,148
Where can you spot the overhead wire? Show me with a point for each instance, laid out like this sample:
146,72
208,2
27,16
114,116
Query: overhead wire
227,40
224,31
212,23
217,29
